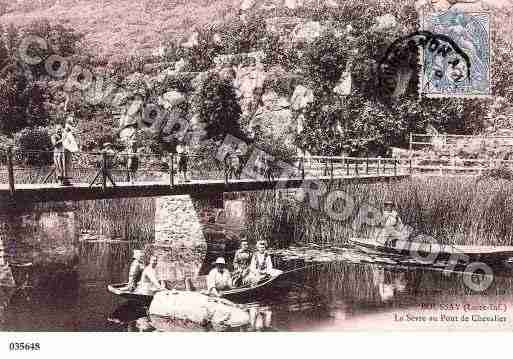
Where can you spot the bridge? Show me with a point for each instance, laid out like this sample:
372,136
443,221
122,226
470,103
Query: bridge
22,181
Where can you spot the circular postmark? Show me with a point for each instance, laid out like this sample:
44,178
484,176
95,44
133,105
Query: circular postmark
439,58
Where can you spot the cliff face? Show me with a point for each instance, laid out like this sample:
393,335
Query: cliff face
120,28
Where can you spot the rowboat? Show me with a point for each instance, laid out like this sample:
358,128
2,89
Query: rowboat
436,251
239,294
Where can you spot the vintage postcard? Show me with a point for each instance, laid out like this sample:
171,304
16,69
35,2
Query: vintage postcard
255,166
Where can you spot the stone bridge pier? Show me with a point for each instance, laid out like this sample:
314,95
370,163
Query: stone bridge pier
192,230
38,244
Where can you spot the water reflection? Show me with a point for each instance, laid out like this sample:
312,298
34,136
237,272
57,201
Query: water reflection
326,296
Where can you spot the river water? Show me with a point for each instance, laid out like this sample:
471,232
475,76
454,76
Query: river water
340,289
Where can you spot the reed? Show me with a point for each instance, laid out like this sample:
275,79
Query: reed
126,219
456,210
453,210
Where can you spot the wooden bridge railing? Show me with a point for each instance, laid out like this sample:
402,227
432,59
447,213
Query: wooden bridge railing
36,167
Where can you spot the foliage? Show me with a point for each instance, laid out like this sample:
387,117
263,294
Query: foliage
22,102
201,56
35,139
371,119
242,36
94,130
324,60
59,40
25,90
451,210
278,52
216,105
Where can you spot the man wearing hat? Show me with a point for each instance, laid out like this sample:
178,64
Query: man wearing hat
219,278
391,222
105,167
136,269
261,266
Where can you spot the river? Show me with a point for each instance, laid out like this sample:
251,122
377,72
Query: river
340,289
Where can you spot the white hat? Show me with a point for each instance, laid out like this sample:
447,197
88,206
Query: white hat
138,254
261,241
220,260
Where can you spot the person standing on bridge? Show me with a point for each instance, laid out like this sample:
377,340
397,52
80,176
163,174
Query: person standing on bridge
183,159
70,146
58,153
106,163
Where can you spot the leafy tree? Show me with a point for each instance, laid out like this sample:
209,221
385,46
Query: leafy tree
243,36
201,56
216,105
279,52
22,102
324,61
24,88
29,144
59,40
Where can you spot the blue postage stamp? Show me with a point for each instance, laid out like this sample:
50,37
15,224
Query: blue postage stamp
461,68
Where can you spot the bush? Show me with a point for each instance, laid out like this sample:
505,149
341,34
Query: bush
33,146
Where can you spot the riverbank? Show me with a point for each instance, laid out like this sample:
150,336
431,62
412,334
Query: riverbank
456,210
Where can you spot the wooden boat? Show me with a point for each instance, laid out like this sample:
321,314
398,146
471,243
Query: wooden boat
434,251
239,294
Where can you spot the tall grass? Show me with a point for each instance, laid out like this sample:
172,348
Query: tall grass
458,210
126,219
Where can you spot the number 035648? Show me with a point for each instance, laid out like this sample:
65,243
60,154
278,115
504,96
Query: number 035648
21,346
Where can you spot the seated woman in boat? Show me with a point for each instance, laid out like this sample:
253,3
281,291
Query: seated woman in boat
261,266
136,269
391,223
219,278
150,283
241,262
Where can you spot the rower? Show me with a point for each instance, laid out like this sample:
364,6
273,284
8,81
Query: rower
219,278
150,283
136,269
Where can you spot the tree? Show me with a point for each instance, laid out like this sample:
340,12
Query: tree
324,61
22,102
201,55
278,52
24,88
217,108
242,36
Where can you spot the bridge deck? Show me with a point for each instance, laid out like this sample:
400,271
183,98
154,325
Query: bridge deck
82,191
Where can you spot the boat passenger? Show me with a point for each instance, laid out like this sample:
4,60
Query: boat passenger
391,222
150,283
136,269
241,262
219,278
261,266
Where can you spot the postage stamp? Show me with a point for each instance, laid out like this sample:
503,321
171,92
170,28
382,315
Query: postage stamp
453,74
